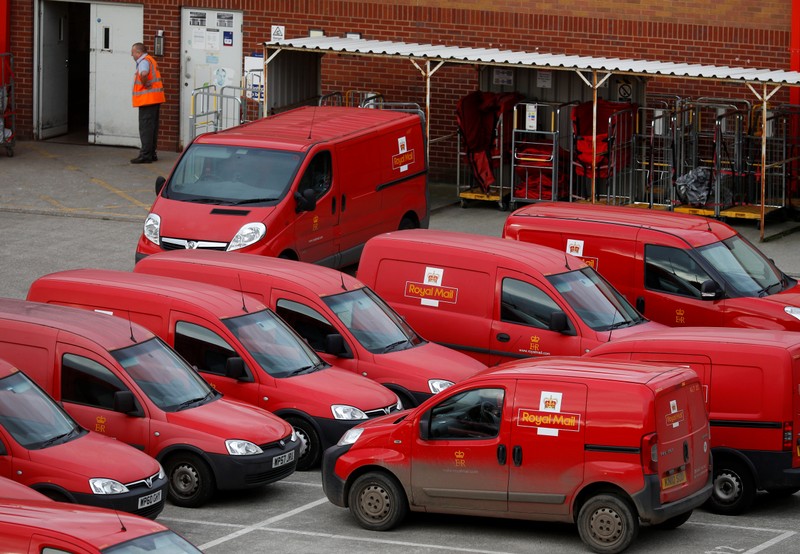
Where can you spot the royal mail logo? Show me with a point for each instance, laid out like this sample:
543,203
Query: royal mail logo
459,454
403,159
432,278
550,403
431,292
559,421
574,249
100,419
674,418
680,312
591,262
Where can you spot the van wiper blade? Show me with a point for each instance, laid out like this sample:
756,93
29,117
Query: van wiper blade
204,200
53,440
394,345
619,324
300,370
252,201
189,403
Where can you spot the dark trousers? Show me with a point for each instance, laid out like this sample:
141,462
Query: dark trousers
148,130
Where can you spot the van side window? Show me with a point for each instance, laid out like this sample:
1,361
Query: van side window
673,271
84,381
472,414
524,303
202,348
308,322
318,175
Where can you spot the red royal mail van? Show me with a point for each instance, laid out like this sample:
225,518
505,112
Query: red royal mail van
238,345
32,523
602,444
117,378
494,299
344,321
677,269
310,184
43,447
752,382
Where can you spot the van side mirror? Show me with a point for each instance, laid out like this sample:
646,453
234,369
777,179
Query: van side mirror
306,201
160,184
235,369
558,322
710,290
334,345
125,403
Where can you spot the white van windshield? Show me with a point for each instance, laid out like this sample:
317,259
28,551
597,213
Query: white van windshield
232,175
596,302
374,324
31,417
744,268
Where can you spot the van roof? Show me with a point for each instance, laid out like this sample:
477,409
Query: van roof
109,332
587,368
692,228
320,280
546,260
222,302
717,335
301,128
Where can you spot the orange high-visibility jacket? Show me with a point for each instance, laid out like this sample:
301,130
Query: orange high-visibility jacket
154,92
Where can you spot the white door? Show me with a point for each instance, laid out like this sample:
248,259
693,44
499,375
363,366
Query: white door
53,69
112,118
211,60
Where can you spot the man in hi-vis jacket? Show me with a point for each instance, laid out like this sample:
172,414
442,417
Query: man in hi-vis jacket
148,95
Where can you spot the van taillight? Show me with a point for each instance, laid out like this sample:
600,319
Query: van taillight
787,435
650,453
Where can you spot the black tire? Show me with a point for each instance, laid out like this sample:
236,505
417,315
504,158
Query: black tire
783,492
191,482
607,524
311,447
377,502
674,522
734,488
407,223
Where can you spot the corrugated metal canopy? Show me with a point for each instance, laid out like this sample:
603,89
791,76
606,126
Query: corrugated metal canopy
493,56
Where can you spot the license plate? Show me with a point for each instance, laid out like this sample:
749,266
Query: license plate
283,459
672,480
150,499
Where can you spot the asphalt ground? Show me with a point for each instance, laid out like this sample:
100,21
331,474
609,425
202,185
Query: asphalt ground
66,206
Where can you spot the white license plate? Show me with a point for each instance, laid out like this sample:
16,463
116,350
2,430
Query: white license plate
283,459
150,499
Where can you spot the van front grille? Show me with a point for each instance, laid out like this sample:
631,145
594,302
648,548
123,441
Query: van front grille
186,244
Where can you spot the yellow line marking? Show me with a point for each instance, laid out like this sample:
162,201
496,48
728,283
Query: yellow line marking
121,193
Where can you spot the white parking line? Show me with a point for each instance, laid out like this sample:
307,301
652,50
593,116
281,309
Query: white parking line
758,548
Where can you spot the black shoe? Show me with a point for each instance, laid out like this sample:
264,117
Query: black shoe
141,160
155,157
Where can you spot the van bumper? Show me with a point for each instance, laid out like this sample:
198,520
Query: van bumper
332,485
129,501
653,511
331,430
773,469
241,472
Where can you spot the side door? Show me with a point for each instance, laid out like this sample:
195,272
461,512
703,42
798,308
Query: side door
87,387
53,70
521,319
317,229
672,281
460,457
546,452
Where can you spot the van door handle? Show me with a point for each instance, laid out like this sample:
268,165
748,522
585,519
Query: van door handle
503,337
333,205
501,454
640,305
516,455
344,202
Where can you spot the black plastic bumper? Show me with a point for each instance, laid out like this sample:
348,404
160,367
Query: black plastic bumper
332,484
653,511
240,472
129,501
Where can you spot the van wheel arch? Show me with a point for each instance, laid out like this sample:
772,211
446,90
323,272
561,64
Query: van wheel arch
608,522
310,437
383,499
54,492
735,483
408,221
402,393
289,254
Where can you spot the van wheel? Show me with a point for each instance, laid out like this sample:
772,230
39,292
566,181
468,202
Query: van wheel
734,488
607,524
377,502
190,481
310,443
407,223
674,522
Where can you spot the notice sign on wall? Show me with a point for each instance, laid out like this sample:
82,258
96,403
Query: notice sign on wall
503,76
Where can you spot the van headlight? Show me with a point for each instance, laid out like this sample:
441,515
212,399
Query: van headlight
242,448
152,229
792,311
101,485
350,436
341,411
250,233
438,385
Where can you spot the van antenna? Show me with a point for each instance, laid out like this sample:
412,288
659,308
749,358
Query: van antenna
566,260
130,325
341,276
241,291
121,525
311,126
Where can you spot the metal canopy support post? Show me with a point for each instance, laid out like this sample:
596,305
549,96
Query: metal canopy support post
595,85
265,111
764,98
427,73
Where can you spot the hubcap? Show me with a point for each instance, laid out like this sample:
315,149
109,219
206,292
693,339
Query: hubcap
375,503
727,487
606,525
303,442
185,480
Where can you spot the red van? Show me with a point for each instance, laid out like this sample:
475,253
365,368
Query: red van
42,447
311,184
752,388
601,444
677,269
344,321
119,379
237,344
495,299
32,523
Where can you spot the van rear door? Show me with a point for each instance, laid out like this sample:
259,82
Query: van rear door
682,447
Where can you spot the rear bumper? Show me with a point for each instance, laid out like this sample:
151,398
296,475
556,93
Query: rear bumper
653,511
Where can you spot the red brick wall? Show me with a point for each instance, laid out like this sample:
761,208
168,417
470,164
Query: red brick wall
734,33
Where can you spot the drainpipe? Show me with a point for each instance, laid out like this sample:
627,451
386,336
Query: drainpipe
794,59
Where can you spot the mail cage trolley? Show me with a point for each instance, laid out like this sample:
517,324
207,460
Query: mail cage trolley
7,110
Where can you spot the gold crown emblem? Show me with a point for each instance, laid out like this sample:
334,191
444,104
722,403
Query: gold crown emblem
679,311
100,419
535,338
550,403
574,249
459,454
433,278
